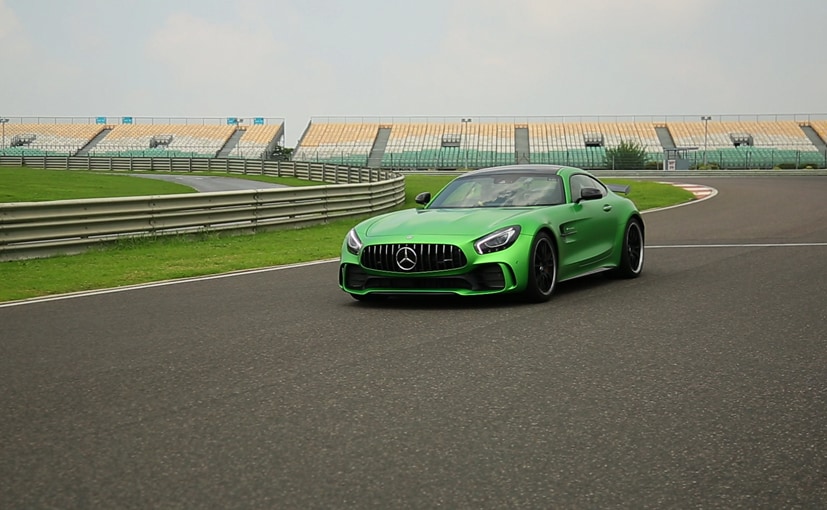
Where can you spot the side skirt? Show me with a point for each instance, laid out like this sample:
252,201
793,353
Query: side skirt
588,273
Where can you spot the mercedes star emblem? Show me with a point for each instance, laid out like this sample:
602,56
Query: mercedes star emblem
406,258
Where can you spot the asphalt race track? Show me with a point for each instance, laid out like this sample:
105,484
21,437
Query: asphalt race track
203,183
702,384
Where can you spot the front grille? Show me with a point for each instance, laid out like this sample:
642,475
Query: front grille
413,258
488,277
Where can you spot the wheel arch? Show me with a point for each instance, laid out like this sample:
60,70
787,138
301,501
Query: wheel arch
637,216
532,290
547,229
621,231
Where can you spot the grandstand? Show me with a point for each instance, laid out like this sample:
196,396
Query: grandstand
347,144
439,143
191,138
257,141
584,144
42,139
740,144
163,141
467,143
820,128
462,144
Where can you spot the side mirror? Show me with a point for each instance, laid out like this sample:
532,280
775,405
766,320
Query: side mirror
423,198
590,194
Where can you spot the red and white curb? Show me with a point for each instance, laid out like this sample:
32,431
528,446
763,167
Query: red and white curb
700,191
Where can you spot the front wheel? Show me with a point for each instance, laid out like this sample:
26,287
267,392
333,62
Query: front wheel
631,258
542,269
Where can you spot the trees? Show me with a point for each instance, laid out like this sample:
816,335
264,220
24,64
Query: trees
629,155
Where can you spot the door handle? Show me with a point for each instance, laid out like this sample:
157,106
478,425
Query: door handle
607,208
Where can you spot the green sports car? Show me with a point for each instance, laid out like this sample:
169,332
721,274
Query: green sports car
511,229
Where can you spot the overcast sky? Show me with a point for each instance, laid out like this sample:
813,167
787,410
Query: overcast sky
297,59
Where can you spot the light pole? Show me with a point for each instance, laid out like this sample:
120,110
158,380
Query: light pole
3,123
465,151
238,126
706,119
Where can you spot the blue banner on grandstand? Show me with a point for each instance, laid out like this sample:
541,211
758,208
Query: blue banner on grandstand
232,120
126,120
258,121
100,120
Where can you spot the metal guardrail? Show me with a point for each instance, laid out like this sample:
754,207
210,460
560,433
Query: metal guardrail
36,229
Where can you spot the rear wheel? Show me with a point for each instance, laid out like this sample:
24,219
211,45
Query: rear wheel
542,269
631,258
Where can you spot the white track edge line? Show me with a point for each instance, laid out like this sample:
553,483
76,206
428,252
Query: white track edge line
164,283
741,245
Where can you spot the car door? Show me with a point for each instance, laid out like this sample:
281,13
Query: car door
589,232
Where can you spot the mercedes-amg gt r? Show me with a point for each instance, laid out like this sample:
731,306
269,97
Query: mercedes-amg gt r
513,229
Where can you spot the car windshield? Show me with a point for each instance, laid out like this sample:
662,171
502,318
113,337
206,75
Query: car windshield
501,190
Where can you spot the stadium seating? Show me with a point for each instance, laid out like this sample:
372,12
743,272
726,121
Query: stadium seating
184,140
414,143
341,143
450,145
46,139
584,144
820,127
780,134
740,144
256,141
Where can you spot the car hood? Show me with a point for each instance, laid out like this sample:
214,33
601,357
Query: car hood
470,222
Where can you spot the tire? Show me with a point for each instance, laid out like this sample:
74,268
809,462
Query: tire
542,269
631,258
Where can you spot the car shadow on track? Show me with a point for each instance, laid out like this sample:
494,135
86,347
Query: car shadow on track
453,302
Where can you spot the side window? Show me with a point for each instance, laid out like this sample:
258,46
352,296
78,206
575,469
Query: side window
594,183
580,181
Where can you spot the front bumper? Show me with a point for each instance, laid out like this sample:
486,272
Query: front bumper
493,273
483,279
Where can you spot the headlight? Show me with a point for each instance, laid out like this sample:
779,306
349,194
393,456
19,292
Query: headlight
497,241
354,244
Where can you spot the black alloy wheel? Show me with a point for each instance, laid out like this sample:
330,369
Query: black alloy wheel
631,259
542,277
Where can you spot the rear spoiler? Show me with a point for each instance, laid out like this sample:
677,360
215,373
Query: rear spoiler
620,188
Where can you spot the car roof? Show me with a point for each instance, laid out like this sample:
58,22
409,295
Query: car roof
523,169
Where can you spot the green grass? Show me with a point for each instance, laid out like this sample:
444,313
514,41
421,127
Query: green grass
146,260
649,195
